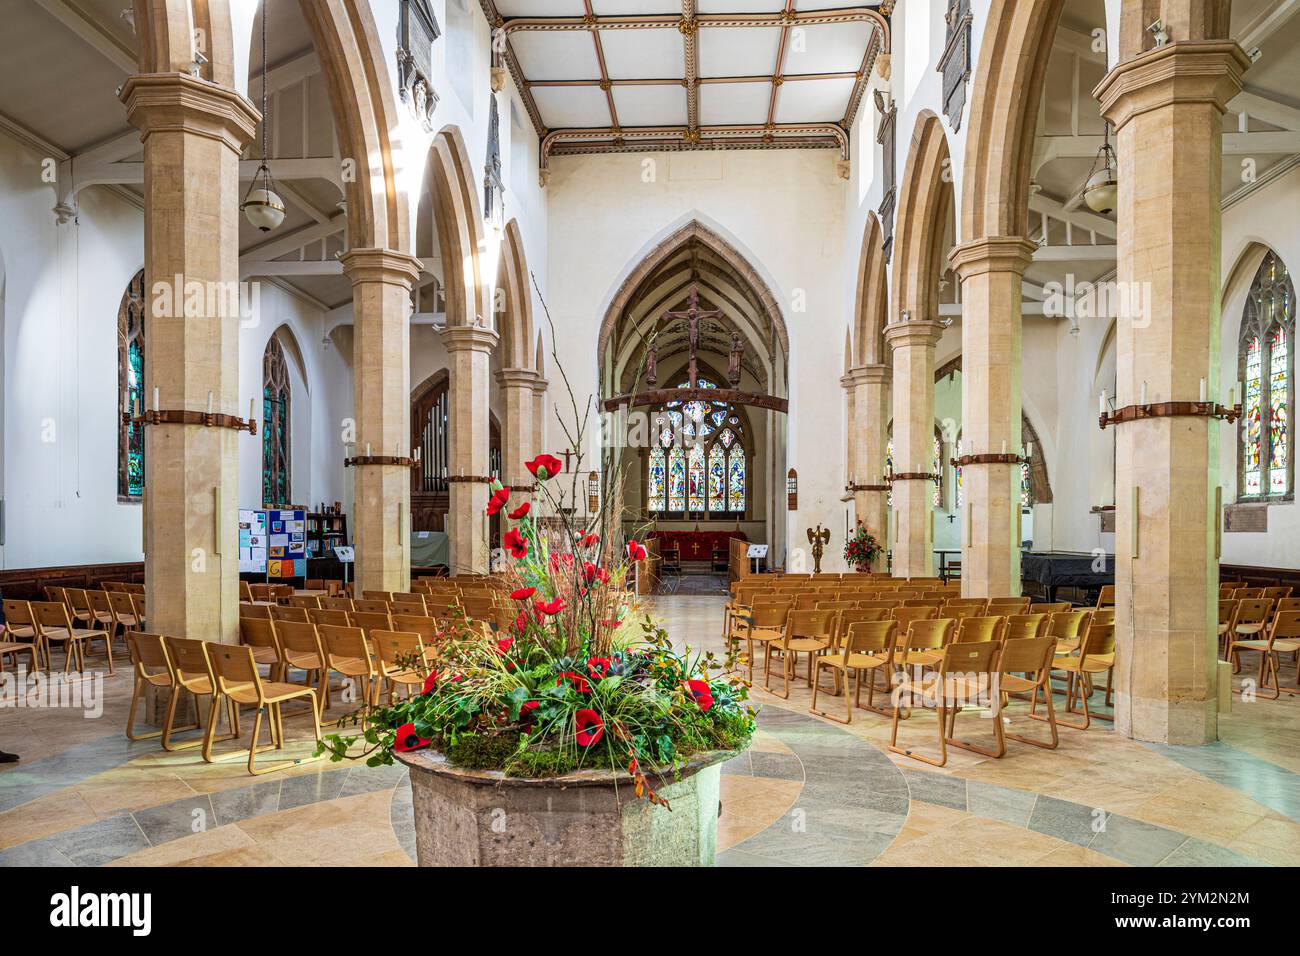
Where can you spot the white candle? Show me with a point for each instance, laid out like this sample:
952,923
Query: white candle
250,409
417,452
1143,393
1239,394
1102,403
1202,390
209,401
1004,447
367,449
1029,450
155,398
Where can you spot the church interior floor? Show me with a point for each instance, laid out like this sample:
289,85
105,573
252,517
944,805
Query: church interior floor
809,792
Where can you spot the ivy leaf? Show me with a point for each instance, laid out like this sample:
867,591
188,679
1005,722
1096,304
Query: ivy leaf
517,698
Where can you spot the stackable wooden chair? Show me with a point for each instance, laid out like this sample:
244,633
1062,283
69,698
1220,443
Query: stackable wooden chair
191,673
328,616
1282,637
285,612
56,627
978,630
761,624
261,612
347,653
397,652
1024,625
236,678
805,632
300,649
22,635
965,674
1025,666
260,635
151,669
1250,623
1096,656
864,646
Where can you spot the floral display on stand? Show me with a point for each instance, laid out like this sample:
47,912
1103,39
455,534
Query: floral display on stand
582,678
861,548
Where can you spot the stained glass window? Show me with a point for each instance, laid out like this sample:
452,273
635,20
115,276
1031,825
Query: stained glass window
961,488
1267,327
736,479
130,388
658,480
699,466
677,479
938,470
889,467
1026,497
275,426
717,478
695,479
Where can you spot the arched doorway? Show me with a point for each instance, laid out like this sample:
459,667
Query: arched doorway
431,434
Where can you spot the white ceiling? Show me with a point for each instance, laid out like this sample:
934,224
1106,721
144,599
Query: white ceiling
796,73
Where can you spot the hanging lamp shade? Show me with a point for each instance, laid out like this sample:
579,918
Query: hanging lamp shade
263,208
1101,191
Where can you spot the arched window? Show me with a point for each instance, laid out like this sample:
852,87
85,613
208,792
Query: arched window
1265,350
130,389
699,466
275,426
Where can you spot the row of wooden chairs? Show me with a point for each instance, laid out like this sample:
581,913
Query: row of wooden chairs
227,674
72,618
1271,628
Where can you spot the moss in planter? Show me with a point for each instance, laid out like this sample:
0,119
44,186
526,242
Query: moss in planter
481,751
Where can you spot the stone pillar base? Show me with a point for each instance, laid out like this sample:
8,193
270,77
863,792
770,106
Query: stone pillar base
1162,721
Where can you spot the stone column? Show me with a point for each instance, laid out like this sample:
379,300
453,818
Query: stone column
991,272
539,416
871,384
1167,106
193,132
518,424
469,348
913,343
381,304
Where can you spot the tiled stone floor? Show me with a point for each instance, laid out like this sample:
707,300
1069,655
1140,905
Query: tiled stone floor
809,792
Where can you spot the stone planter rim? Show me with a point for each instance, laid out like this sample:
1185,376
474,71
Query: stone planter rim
436,762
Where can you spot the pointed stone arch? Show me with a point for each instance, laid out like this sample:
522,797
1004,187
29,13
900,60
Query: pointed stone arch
449,217
871,306
515,322
925,204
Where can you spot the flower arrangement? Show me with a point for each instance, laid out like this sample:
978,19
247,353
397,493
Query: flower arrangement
861,548
574,682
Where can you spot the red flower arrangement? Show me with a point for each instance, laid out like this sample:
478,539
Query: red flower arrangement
635,550
498,500
407,739
699,691
522,594
515,543
519,512
544,466
590,727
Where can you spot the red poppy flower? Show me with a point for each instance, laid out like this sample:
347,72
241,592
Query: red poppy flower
590,540
498,500
504,644
553,607
529,706
520,511
516,543
597,667
430,682
407,739
699,691
521,622
577,680
590,727
543,467
635,550
522,594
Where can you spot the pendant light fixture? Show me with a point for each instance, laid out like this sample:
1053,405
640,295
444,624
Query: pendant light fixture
1101,190
262,206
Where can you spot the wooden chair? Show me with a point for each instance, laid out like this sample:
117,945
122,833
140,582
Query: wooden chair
260,635
421,624
20,635
395,651
953,603
906,615
1044,608
1021,626
102,608
21,629
1276,594
149,663
922,644
336,603
283,612
1249,594
300,649
865,646
236,677
57,627
262,592
123,611
191,673
1251,622
261,612
1283,637
1007,606
763,623
245,592
328,616
887,603
370,606
1066,626
1096,656
806,632
979,630
79,609
368,621
1025,666
305,601
965,673
384,596
348,654
1227,621
1106,596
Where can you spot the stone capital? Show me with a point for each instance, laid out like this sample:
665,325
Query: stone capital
992,254
916,333
472,338
1185,71
540,384
178,102
381,265
868,375
516,377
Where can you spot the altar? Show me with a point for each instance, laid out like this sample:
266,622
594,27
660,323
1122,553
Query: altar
697,545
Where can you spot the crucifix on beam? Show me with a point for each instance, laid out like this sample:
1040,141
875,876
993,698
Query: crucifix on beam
692,315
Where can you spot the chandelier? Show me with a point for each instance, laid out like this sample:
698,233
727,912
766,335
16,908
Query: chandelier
1101,190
